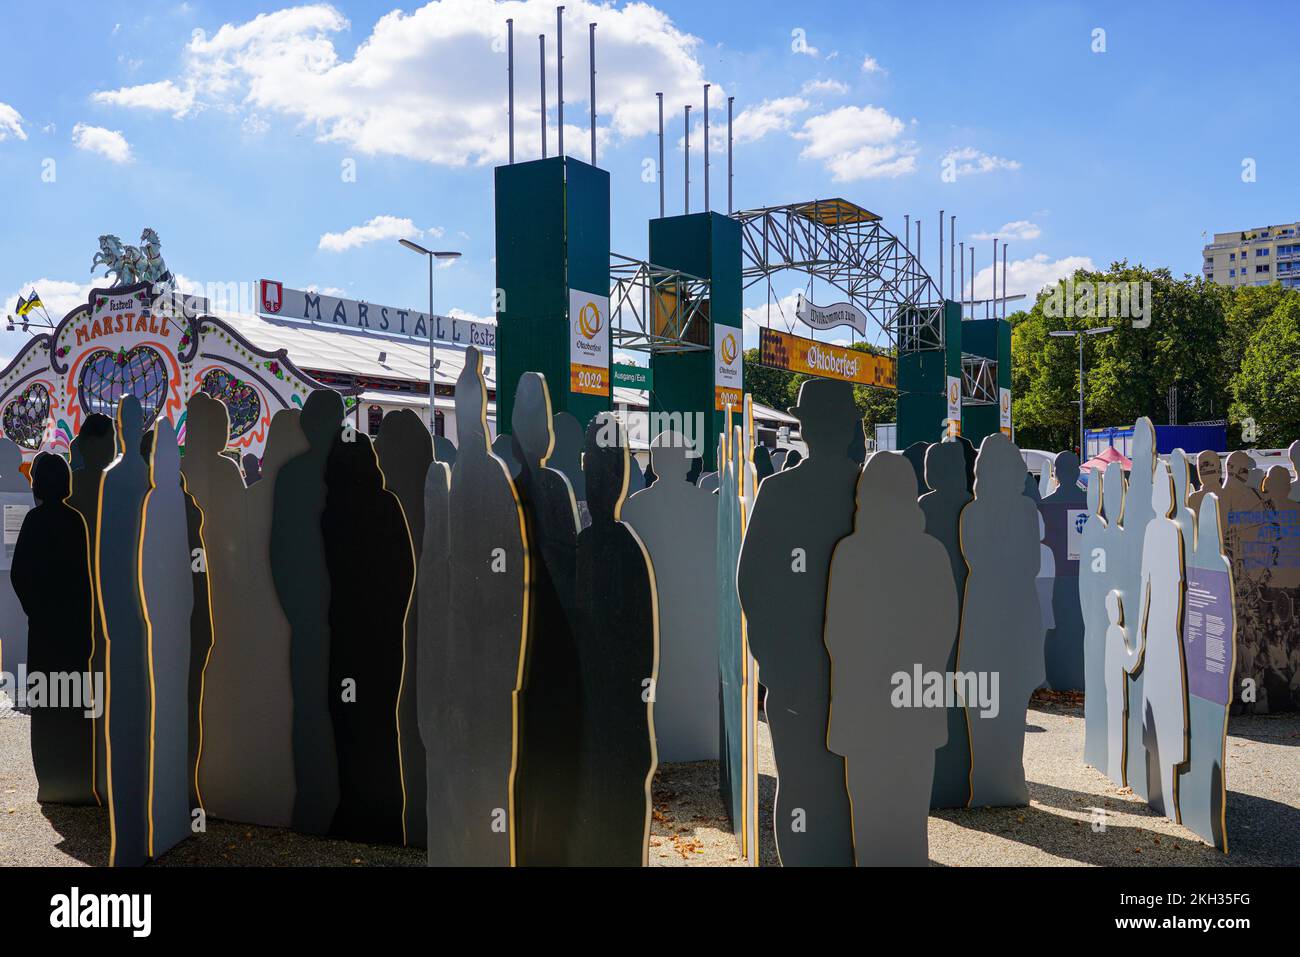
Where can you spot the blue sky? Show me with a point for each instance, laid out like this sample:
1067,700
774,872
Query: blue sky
234,143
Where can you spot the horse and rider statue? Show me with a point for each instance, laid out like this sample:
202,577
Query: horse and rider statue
132,264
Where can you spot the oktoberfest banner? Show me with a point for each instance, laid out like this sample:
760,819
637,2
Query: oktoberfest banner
780,350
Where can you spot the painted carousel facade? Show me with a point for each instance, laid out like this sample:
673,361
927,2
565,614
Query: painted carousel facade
146,340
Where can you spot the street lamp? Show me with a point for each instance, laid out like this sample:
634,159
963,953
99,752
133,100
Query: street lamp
431,255
1080,333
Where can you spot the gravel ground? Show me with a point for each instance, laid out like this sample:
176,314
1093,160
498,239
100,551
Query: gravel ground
689,826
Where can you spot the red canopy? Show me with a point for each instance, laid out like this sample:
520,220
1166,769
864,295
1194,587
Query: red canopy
1105,457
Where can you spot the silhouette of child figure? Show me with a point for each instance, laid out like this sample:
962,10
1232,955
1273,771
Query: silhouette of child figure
1121,660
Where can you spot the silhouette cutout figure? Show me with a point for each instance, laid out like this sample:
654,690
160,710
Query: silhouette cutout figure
1164,706
96,447
302,582
546,781
433,623
405,451
890,574
1092,605
1063,509
474,671
1209,653
1122,658
121,510
51,576
945,474
169,605
1138,512
617,635
15,492
369,601
782,574
1002,627
678,524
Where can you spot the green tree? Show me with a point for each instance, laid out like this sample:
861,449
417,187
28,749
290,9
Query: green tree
1128,372
1267,385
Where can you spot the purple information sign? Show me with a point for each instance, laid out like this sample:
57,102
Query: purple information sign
1207,634
1064,527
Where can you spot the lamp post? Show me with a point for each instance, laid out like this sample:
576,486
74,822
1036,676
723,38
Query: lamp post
431,255
1079,334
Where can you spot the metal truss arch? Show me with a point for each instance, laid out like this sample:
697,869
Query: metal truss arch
849,248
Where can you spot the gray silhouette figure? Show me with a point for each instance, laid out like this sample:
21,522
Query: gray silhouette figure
433,600
945,474
1209,653
169,602
678,524
1002,627
1092,597
121,510
474,670
1164,691
1138,512
709,481
782,574
1122,658
891,611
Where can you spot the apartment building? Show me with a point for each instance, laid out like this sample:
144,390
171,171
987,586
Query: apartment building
1254,257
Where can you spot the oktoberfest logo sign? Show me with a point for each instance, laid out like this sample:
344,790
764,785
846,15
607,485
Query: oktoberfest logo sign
588,343
728,369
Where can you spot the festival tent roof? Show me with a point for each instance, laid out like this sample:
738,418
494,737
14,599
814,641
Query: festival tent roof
1104,458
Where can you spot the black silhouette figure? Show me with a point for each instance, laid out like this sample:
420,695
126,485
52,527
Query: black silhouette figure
945,474
798,518
51,576
96,445
617,637
405,451
472,668
121,509
550,707
302,582
369,600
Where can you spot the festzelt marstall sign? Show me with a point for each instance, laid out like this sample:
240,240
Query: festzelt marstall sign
828,317
284,303
780,350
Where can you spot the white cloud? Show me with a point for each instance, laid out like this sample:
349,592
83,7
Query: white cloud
464,315
374,230
431,84
163,95
858,142
770,116
968,160
110,144
11,123
833,87
1028,276
1021,229
871,65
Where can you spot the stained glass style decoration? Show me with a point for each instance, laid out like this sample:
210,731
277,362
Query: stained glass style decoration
27,415
240,399
107,376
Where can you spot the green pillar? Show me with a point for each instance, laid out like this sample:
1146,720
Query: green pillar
990,338
706,245
923,381
552,239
